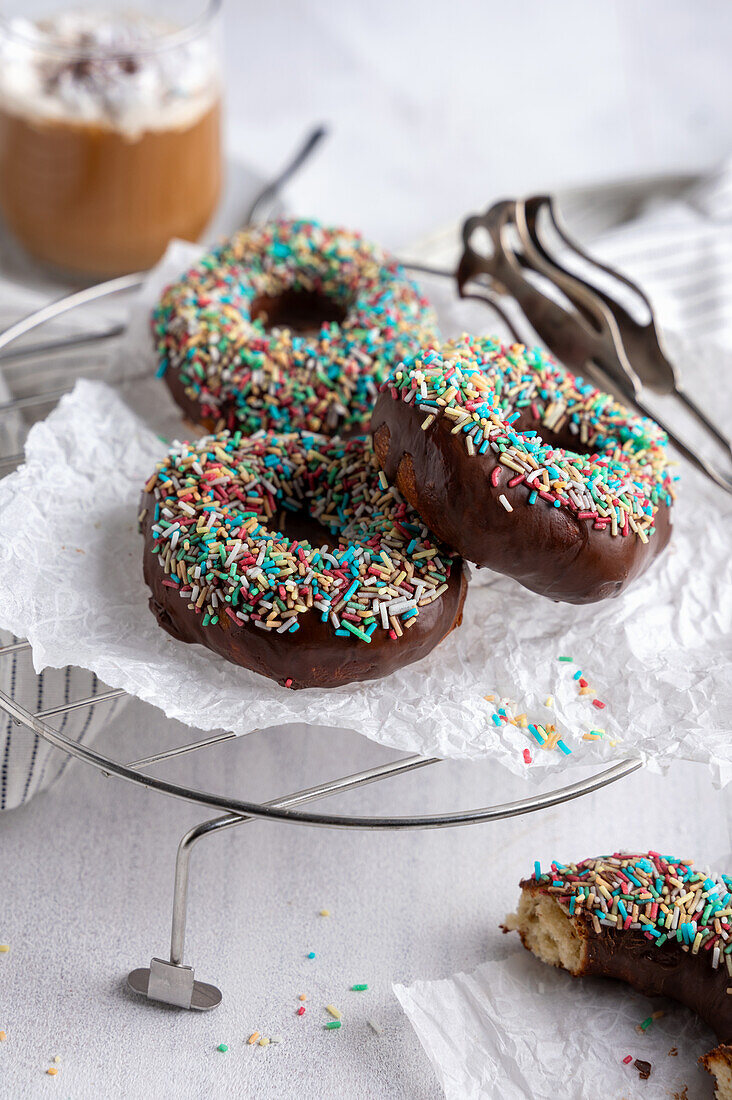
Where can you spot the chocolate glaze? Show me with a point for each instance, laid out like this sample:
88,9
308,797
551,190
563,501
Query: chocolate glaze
665,971
548,550
314,656
190,407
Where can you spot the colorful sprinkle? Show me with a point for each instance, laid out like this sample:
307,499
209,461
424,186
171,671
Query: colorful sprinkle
254,1036
660,896
359,988
217,535
616,479
333,1011
332,1025
222,1047
240,374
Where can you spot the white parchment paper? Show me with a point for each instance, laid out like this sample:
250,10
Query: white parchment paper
71,581
519,1030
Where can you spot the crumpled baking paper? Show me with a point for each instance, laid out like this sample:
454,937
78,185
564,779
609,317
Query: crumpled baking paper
520,1030
658,657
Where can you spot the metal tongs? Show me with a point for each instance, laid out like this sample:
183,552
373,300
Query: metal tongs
588,330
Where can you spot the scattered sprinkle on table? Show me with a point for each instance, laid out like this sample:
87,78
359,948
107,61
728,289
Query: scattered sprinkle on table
302,996
57,1059
222,1047
3,1036
527,756
643,1067
333,1011
254,1036
4,948
359,988
301,1010
311,954
627,1059
325,912
565,659
332,1025
264,1041
51,1071
276,1039
649,1020
376,1028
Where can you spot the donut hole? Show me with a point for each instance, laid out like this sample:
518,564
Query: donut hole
300,526
303,312
547,931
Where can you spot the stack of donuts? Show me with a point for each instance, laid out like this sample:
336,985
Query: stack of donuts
318,534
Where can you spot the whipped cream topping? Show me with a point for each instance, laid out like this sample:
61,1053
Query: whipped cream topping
125,70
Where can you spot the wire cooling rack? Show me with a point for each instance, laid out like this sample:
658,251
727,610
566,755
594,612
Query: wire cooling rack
170,980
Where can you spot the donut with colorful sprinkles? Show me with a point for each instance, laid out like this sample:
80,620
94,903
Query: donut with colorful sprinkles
288,326
650,920
290,554
524,468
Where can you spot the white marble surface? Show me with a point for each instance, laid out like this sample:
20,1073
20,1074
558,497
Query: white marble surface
434,110
86,895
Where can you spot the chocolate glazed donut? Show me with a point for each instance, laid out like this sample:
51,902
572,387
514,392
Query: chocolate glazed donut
630,957
313,657
523,468
291,556
649,920
549,551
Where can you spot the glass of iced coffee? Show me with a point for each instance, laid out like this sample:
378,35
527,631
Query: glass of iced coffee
109,130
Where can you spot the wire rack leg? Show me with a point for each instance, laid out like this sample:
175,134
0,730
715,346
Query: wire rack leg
172,982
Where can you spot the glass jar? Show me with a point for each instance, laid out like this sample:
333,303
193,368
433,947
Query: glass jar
109,131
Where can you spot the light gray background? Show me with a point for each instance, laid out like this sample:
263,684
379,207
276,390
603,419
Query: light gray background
436,109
